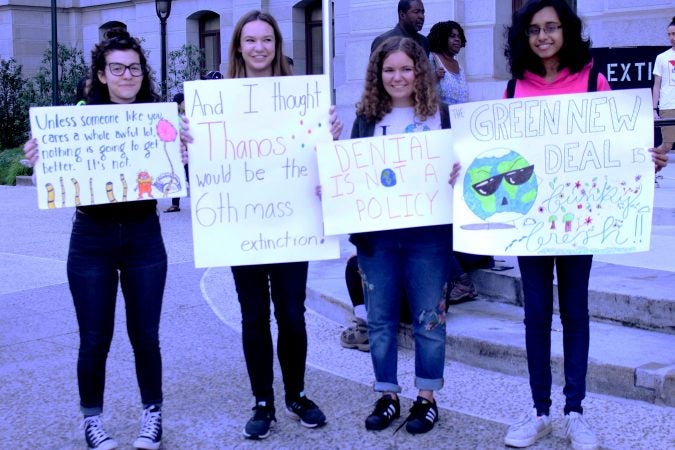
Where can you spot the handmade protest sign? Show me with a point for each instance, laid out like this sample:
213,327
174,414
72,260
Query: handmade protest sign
253,174
386,182
97,154
554,175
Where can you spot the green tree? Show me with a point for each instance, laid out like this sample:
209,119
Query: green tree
71,68
184,64
13,123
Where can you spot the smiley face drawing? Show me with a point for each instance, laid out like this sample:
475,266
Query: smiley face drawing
499,187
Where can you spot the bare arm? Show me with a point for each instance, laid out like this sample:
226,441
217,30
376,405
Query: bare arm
656,93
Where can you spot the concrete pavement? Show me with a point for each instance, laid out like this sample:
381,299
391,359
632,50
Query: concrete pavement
206,387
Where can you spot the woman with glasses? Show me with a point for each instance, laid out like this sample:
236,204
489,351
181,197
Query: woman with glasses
117,243
548,55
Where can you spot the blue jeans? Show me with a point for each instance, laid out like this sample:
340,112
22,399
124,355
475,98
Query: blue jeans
285,284
414,261
537,276
103,252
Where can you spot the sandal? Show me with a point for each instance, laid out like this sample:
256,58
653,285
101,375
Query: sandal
172,208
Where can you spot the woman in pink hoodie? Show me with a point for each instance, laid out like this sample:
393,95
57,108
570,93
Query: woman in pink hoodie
548,55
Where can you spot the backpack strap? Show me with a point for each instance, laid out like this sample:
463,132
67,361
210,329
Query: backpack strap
593,79
511,88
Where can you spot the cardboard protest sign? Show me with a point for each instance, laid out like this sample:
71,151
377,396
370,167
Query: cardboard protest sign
97,154
555,175
386,182
253,174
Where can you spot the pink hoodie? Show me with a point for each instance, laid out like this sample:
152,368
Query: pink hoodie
565,83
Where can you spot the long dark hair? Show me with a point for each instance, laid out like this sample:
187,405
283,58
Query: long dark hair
118,39
574,54
236,65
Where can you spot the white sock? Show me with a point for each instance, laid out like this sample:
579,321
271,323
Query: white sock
360,312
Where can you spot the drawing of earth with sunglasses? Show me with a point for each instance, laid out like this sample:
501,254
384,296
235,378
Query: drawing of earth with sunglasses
499,185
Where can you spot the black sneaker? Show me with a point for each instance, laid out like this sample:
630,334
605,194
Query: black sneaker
258,426
423,416
306,411
387,409
96,436
150,437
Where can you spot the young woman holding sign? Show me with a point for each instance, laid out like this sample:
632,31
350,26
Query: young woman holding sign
400,96
549,55
117,243
256,51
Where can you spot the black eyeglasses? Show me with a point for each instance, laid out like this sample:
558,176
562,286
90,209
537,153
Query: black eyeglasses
549,28
514,178
118,69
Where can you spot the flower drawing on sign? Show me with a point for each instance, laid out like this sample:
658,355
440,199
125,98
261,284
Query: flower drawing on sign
167,183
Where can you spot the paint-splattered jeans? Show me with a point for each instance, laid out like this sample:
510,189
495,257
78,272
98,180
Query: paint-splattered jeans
537,277
415,260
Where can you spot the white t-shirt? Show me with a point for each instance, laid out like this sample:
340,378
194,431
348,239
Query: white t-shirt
664,66
403,120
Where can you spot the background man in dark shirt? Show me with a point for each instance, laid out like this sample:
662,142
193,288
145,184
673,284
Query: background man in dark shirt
410,22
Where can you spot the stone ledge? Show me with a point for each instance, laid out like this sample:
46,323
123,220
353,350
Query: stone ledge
24,180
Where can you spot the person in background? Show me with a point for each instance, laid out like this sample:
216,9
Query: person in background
446,39
179,98
400,95
410,23
256,51
548,54
663,93
118,243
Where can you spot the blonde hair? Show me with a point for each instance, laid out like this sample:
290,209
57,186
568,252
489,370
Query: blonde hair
237,66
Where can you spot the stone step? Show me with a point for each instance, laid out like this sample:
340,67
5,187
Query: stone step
623,362
631,296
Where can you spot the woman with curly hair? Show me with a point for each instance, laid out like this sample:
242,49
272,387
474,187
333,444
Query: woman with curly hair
400,96
446,39
118,243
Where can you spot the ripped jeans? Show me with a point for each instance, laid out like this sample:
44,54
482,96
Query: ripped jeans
415,260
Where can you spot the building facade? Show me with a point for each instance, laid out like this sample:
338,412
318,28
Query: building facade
207,24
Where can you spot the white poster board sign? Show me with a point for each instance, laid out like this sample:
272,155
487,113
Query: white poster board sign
98,154
253,172
555,175
386,182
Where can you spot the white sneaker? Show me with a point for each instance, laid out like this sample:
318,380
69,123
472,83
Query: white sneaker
528,430
579,432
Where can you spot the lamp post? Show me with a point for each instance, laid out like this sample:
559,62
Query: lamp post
55,58
163,8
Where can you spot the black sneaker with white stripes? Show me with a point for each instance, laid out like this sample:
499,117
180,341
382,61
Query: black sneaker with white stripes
150,437
423,416
387,409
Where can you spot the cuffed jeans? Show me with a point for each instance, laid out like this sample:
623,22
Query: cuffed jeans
414,261
103,252
286,283
537,277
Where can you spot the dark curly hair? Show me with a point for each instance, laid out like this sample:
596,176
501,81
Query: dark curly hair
672,22
375,102
118,39
236,65
576,49
440,33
